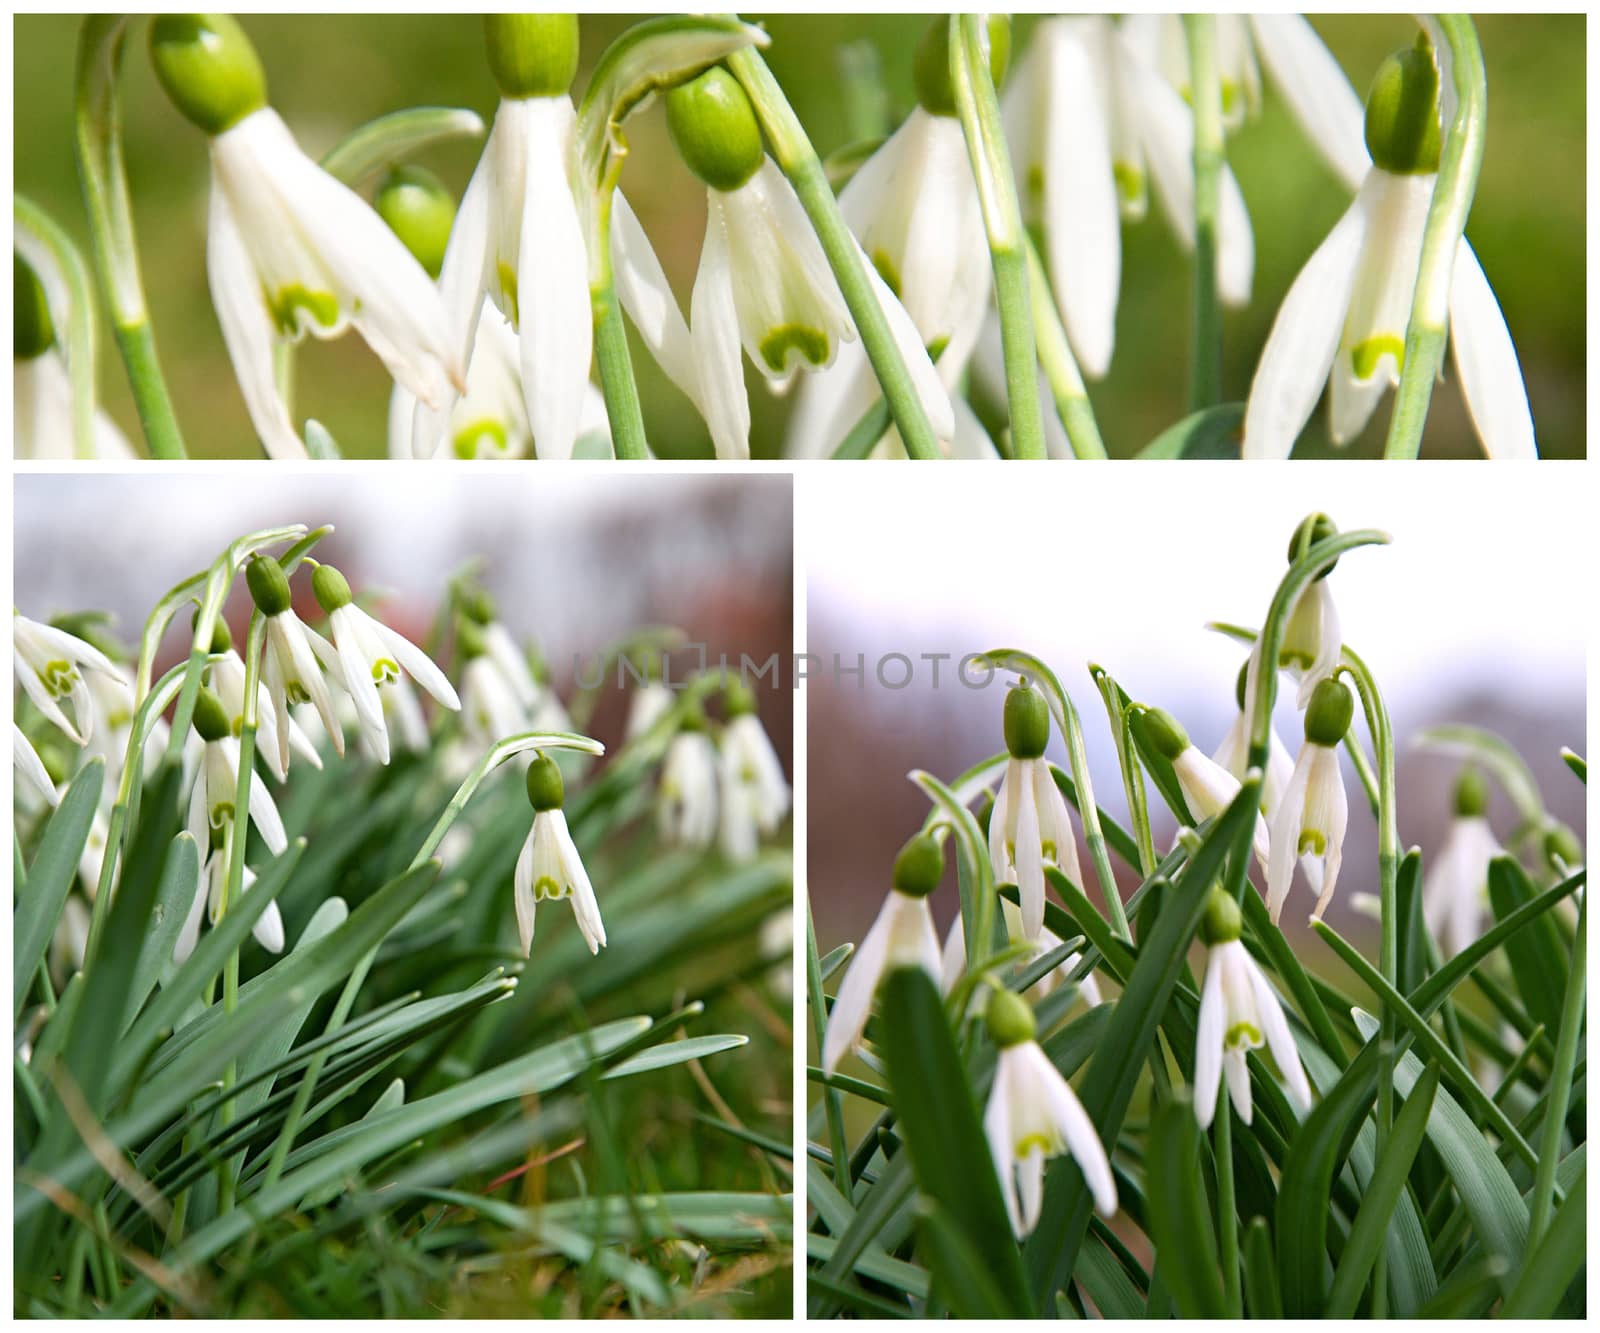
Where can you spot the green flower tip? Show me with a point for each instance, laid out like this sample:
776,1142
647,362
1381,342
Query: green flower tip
221,635
1313,528
33,331
546,791
919,867
1562,850
208,67
331,589
715,129
1222,921
1402,128
1472,794
930,69
1164,733
268,584
1009,1019
420,211
1026,722
469,638
210,717
693,717
737,698
1329,712
532,55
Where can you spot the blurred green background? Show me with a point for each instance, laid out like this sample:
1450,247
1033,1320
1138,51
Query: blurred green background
329,74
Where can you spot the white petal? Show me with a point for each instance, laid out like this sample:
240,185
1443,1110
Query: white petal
418,665
1236,1065
1030,861
853,1003
997,1129
1318,94
463,276
1208,1042
522,894
1280,1041
356,671
1082,1139
30,768
1286,833
642,287
718,353
1486,360
931,393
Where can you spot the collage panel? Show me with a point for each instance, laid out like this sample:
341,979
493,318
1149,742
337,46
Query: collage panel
1196,900
433,955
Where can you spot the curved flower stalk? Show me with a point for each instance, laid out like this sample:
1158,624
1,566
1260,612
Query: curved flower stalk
902,936
755,794
1239,1013
1345,319
549,866
1092,124
50,666
1310,822
1033,1115
1456,885
290,249
30,769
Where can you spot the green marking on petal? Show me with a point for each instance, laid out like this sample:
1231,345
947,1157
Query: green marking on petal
385,670
1043,1142
1130,181
1312,841
59,677
1231,96
296,693
1048,850
323,307
222,814
467,439
508,290
811,344
936,348
1291,657
1366,355
887,270
545,887
1033,179
1242,1035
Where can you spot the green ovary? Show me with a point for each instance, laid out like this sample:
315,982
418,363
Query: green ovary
468,438
1368,353
1246,1036
323,308
1312,841
812,344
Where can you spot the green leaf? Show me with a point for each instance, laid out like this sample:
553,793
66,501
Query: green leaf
1212,432
672,1053
874,1265
1105,1282
1551,1268
1180,1214
50,878
1380,1198
1577,763
961,1278
1538,960
833,960
320,443
1261,1299
386,140
179,884
939,1124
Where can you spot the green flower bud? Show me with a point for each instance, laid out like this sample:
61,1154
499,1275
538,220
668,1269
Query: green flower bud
1403,133
919,866
1026,722
546,791
268,584
1164,732
737,698
474,601
1222,921
931,66
208,67
221,635
1562,850
693,717
420,211
330,587
715,128
1313,528
210,717
532,55
33,332
469,638
1472,794
1009,1019
1329,712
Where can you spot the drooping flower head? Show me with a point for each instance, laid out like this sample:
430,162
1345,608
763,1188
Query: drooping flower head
1029,827
290,249
1207,786
1345,319
902,936
1311,638
50,666
491,706
1234,752
268,927
549,867
290,672
1034,1115
1456,885
228,676
1239,1013
686,798
1310,822
755,794
212,817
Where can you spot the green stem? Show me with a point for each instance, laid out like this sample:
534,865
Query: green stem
616,375
799,161
98,139
866,433
1459,161
1059,365
1200,30
979,110
1227,1210
830,1095
1560,1092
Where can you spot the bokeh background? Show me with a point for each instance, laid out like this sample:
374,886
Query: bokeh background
1472,615
329,74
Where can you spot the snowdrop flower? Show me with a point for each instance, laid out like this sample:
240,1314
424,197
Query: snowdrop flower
228,677
216,784
1239,1013
764,284
290,672
1310,822
1207,786
1234,752
27,765
291,250
268,927
686,800
42,424
1345,319
1457,883
50,665
1029,827
650,702
368,654
1033,1115
755,796
902,936
492,705
953,959
549,866
1091,123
